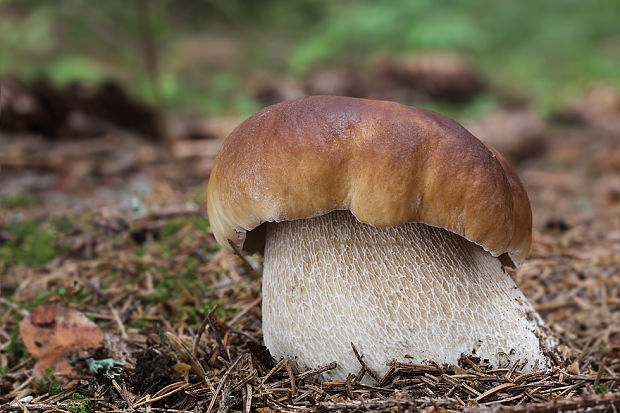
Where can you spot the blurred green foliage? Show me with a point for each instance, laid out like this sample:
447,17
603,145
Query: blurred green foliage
30,243
206,51
15,351
19,200
49,382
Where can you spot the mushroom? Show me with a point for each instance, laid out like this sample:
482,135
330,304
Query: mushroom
383,226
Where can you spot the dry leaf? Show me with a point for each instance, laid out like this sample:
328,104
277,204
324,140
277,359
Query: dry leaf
53,335
574,367
44,315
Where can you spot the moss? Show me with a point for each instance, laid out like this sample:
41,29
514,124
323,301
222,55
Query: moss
79,404
199,223
49,382
20,200
15,351
31,243
141,325
65,297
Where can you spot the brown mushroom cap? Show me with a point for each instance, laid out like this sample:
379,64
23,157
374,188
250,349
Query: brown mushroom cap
387,163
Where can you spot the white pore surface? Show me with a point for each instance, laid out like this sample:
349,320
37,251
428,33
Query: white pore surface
410,293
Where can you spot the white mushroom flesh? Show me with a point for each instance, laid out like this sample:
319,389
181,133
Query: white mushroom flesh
410,293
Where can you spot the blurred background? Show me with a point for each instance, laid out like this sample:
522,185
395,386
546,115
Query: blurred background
234,56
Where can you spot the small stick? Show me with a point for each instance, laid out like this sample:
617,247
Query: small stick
255,274
244,311
387,376
168,388
123,393
364,366
275,368
247,405
599,374
220,385
174,211
292,378
193,361
303,375
494,390
512,370
470,389
163,396
244,381
360,374
471,363
348,386
201,329
119,322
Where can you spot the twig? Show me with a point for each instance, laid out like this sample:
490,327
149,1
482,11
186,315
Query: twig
201,329
8,303
123,394
255,274
364,366
149,50
275,368
494,390
163,396
348,386
291,378
119,322
512,369
470,363
247,398
193,361
244,311
357,405
221,383
604,402
471,390
301,376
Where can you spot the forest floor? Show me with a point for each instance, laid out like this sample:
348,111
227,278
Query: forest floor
107,237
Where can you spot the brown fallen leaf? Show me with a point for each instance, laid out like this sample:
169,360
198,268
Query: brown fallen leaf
574,368
44,315
53,334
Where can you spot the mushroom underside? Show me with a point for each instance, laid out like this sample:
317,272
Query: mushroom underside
411,293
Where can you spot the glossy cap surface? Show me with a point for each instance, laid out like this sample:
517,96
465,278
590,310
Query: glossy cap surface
387,163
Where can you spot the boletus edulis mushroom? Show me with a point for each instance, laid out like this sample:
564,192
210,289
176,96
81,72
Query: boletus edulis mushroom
382,225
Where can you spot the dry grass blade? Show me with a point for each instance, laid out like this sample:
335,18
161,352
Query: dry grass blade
193,361
201,329
606,402
159,397
247,399
494,390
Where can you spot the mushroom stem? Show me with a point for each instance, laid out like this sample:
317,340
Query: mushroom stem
412,293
